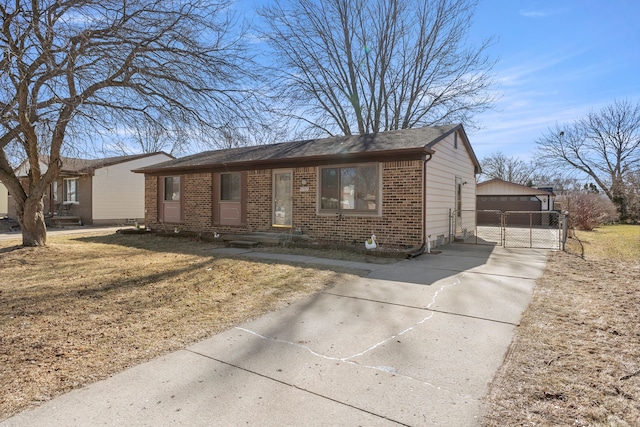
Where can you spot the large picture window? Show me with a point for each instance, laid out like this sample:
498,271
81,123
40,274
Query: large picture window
70,190
349,189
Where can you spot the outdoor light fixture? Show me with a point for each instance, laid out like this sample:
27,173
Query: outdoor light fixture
304,181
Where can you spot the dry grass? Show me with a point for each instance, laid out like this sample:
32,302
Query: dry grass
87,307
575,359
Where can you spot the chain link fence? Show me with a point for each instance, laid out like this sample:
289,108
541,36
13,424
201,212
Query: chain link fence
513,229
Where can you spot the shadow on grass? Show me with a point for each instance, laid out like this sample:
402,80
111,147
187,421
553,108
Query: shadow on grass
49,299
10,249
423,270
193,246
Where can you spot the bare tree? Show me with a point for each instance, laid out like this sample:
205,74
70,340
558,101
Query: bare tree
73,70
605,146
632,191
360,66
511,169
150,136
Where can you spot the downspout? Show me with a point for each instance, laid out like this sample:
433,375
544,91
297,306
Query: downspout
425,241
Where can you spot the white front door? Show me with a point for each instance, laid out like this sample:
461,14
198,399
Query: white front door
282,198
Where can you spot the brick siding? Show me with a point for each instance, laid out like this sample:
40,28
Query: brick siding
400,224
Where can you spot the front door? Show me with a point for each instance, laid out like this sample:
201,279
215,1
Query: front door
230,203
282,198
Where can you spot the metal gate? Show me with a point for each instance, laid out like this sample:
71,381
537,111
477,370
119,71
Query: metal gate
512,229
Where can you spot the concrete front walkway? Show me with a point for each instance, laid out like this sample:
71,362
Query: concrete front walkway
414,343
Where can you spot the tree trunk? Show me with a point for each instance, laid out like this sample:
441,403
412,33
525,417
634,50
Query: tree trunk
31,220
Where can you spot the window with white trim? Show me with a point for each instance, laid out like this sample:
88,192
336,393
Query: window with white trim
70,190
350,189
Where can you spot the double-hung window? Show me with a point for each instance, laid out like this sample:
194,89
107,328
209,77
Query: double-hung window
350,189
70,190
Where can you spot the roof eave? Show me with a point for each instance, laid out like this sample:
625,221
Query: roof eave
415,153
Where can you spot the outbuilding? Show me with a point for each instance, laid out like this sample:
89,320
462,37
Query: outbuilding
504,196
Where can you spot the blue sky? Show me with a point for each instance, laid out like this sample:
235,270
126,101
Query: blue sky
557,60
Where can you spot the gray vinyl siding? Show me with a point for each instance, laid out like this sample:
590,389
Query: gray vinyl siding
447,164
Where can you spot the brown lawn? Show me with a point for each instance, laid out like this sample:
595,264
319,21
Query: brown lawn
85,307
575,359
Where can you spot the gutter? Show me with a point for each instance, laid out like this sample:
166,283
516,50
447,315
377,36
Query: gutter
426,244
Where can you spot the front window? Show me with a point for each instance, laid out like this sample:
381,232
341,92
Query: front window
349,189
70,190
172,189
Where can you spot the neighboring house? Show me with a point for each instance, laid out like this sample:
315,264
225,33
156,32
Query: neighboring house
504,196
99,191
4,200
399,185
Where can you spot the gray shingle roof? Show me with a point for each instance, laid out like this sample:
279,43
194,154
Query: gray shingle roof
405,139
72,165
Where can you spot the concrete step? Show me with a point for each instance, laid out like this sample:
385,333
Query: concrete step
64,221
243,244
264,238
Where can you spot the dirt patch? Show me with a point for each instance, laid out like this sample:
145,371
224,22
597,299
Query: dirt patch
85,308
575,359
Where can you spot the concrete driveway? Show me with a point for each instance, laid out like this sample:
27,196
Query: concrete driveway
414,343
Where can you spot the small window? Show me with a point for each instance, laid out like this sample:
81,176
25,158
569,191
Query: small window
484,198
503,198
172,189
353,188
230,186
455,140
70,190
513,198
459,197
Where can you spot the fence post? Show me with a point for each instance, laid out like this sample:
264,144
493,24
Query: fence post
563,218
530,229
503,228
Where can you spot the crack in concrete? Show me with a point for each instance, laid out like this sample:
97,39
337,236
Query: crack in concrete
350,360
289,384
